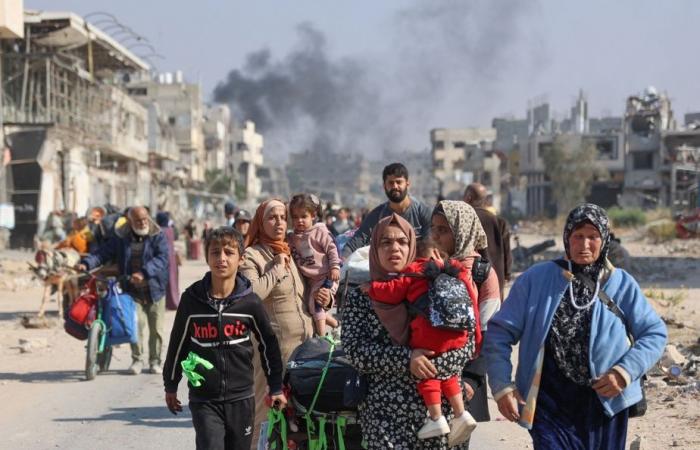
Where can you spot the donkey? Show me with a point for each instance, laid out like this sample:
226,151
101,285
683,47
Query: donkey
54,268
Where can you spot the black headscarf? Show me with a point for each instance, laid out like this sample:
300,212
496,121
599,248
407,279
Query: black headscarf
596,216
569,333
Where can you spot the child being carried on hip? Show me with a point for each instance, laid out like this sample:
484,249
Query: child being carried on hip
412,285
315,254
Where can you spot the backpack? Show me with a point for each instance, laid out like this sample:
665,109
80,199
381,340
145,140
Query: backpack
447,305
321,377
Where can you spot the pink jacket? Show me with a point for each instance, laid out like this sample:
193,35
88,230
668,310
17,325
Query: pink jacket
314,252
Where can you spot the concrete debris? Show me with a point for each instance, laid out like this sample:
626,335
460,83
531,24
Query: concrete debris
637,443
37,322
672,357
655,383
28,345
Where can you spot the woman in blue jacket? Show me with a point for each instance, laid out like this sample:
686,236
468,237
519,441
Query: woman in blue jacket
577,373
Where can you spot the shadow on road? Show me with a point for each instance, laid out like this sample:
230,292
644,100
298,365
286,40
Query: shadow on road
54,376
147,416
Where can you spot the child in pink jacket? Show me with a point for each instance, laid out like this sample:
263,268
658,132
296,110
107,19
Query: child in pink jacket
315,254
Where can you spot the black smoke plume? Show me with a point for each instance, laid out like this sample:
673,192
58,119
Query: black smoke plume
446,62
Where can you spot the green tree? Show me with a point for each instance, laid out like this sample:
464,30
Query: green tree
570,165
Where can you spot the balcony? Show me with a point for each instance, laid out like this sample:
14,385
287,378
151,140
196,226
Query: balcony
42,89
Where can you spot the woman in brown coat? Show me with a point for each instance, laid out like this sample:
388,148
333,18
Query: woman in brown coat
275,279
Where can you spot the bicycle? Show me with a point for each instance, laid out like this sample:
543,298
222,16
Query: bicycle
101,336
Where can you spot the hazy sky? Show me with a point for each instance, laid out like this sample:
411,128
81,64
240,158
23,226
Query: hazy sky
404,67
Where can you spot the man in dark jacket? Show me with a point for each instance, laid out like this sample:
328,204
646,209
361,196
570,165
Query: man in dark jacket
141,252
396,184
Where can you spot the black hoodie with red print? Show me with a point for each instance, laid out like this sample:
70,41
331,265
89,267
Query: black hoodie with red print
220,332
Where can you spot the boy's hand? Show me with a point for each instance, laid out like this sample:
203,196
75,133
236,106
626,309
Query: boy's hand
335,274
278,401
364,288
172,402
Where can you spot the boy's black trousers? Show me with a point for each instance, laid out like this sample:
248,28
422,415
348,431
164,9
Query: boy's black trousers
224,425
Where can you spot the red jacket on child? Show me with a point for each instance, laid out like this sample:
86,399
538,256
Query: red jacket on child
423,334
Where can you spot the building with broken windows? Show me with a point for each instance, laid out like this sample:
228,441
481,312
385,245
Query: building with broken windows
87,123
245,161
464,155
75,136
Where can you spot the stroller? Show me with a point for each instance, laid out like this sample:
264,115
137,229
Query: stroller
322,387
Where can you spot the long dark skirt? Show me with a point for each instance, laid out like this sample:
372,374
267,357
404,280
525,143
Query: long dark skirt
570,417
172,291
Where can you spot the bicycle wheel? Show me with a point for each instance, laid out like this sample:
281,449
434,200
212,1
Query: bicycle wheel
93,343
104,359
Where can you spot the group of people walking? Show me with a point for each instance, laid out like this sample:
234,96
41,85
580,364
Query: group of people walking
585,331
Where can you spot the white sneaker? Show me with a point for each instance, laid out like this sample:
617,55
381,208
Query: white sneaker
433,428
460,429
156,369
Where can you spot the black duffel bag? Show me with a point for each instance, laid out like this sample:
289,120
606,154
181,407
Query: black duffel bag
322,379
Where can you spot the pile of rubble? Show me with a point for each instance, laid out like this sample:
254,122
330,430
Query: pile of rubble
679,367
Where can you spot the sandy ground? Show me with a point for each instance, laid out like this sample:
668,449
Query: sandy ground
46,403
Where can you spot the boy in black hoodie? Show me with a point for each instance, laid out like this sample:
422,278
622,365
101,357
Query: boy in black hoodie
211,343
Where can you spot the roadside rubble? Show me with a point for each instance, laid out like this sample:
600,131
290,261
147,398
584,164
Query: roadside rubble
32,344
679,369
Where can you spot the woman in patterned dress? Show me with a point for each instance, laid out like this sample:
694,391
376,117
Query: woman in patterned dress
392,412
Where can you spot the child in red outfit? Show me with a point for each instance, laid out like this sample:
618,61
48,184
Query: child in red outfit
409,285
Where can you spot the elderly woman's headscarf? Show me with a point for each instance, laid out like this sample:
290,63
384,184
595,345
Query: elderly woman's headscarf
256,233
394,317
596,216
570,330
466,228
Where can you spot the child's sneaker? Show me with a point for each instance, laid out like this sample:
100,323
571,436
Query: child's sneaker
433,428
460,429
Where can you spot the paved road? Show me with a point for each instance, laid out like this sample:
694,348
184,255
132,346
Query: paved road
46,404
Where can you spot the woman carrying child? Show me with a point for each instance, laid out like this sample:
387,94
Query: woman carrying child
393,411
412,284
275,279
457,232
315,254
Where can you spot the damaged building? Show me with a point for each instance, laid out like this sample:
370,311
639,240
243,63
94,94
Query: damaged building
461,156
75,137
88,123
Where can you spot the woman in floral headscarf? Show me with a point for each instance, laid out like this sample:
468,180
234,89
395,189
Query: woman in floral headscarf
275,279
458,233
577,374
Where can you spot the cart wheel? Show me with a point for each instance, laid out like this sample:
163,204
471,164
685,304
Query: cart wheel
105,358
93,343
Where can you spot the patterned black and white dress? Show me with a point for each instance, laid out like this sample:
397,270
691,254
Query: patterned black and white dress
393,411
